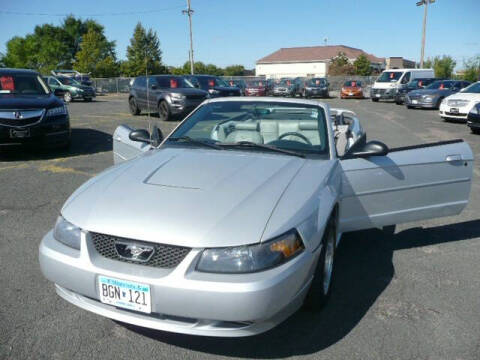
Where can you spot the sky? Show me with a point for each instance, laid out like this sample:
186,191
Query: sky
241,32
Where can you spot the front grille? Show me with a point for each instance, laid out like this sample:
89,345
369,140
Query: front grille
458,103
165,256
379,91
414,97
196,97
20,118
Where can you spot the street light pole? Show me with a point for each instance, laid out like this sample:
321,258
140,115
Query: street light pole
425,3
189,12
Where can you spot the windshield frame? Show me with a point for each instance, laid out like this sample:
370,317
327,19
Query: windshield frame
475,84
326,154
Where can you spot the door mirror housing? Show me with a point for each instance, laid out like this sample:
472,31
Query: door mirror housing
365,150
141,135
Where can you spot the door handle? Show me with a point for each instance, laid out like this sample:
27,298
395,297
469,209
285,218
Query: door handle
455,157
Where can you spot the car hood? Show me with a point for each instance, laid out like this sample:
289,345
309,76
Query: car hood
14,101
189,91
465,96
227,88
185,197
420,92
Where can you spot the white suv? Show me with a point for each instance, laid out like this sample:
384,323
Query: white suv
457,106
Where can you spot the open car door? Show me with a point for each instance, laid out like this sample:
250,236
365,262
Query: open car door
124,148
408,184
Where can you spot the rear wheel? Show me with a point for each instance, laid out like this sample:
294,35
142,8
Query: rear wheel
374,100
475,131
67,97
163,111
437,106
132,104
409,107
321,286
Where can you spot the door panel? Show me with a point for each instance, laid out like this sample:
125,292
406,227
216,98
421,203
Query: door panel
124,148
408,184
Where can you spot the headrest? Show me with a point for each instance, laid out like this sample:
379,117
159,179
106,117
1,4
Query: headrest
308,125
246,126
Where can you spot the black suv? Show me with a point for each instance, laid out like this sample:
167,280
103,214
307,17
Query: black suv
166,94
215,86
30,113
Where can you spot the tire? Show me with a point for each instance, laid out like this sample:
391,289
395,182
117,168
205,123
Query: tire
374,100
437,106
398,102
132,105
409,107
475,131
67,97
87,99
321,286
164,111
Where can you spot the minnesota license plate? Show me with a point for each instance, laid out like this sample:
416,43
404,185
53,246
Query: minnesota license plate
454,110
414,101
125,294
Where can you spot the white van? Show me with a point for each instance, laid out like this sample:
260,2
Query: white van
391,81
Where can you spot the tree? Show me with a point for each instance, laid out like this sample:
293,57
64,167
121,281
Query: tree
234,70
362,65
96,55
472,69
443,66
340,65
143,53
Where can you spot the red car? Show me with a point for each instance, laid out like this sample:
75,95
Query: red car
256,88
352,89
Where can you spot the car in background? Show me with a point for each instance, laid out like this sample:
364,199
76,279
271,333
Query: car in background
71,88
314,87
391,81
284,87
231,224
431,96
456,107
215,86
30,113
352,89
169,95
415,84
473,119
256,88
83,79
239,83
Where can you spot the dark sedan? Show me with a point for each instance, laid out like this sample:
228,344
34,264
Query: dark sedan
215,86
30,113
415,84
315,87
473,119
433,94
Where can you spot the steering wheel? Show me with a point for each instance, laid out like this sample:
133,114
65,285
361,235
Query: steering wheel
293,133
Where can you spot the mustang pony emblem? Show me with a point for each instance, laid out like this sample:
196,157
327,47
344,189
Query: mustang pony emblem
134,252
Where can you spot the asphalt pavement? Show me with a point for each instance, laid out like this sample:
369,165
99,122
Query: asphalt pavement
413,295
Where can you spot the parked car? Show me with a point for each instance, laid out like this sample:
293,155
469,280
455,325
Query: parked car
431,96
415,84
314,87
71,88
215,86
241,84
256,88
473,119
231,223
30,113
285,87
168,95
352,89
457,106
391,81
83,79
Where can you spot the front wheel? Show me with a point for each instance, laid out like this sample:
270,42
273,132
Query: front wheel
374,100
163,111
321,286
475,131
132,104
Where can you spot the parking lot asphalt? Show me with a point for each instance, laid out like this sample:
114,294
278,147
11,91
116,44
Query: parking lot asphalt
413,295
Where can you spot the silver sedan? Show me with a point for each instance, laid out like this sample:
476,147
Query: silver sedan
230,224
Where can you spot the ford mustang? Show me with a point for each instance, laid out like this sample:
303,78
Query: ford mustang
230,224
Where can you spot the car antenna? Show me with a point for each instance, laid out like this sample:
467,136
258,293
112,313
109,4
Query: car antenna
148,102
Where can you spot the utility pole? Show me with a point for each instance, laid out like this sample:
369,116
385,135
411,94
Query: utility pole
424,3
189,12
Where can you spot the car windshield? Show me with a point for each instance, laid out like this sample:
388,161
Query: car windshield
390,76
68,81
177,82
257,83
286,82
352,83
474,88
440,85
316,82
210,82
25,84
260,125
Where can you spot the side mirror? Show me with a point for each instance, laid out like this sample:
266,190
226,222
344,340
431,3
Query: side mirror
157,136
141,135
58,92
371,148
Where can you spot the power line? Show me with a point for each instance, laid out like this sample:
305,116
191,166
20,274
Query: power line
20,13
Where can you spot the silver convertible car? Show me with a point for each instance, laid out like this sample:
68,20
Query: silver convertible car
230,224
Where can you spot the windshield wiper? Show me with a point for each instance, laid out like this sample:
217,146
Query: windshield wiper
196,142
250,144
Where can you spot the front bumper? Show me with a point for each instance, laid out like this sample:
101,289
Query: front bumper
454,113
47,133
316,92
277,92
183,107
421,103
383,94
352,95
183,300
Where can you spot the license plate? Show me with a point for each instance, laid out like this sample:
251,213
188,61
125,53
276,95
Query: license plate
125,294
377,95
414,101
454,110
351,94
19,133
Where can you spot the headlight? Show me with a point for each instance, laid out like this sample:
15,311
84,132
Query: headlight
67,233
78,89
57,111
213,91
428,97
176,96
252,258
